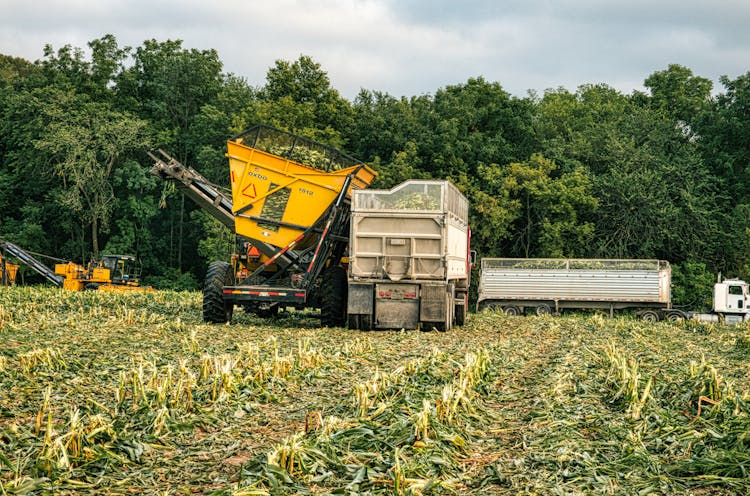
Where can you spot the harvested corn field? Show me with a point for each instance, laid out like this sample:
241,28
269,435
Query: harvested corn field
133,394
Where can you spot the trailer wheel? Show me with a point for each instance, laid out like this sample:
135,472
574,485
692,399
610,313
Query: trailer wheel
333,297
360,321
354,322
215,309
460,314
675,316
650,316
511,311
543,309
492,307
365,322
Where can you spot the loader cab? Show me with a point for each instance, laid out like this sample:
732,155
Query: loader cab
731,296
122,268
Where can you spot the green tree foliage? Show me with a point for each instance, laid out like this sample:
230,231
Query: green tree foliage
384,125
656,197
723,140
594,172
298,97
168,85
679,93
85,142
526,210
552,211
693,285
403,165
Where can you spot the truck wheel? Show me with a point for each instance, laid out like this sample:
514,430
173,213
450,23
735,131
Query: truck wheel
354,321
460,314
650,316
365,322
360,321
543,309
333,297
215,309
511,311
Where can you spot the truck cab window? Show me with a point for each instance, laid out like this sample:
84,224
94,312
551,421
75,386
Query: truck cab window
735,290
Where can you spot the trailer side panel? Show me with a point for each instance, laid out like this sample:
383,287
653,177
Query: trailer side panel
556,280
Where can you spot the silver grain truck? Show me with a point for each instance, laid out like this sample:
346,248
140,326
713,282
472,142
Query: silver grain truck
519,285
409,257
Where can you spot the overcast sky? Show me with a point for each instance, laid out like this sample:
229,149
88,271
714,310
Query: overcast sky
413,47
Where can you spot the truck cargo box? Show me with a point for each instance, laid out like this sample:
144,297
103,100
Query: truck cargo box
409,263
416,231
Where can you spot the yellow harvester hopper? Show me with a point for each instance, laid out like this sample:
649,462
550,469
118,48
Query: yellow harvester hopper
275,197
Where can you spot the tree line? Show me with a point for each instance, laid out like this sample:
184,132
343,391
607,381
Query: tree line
591,173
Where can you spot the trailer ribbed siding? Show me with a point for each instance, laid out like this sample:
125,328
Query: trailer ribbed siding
637,281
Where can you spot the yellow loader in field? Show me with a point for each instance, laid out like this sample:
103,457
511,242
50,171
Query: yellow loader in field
110,273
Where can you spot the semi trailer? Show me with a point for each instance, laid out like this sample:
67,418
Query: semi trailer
517,286
409,257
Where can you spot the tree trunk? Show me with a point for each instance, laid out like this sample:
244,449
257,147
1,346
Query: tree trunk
95,237
179,237
528,225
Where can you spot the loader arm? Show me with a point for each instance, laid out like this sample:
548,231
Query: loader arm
195,186
28,259
206,194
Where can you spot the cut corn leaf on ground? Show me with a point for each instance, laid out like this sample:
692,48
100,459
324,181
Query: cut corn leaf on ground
133,394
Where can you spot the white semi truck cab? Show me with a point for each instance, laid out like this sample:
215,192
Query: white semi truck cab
730,300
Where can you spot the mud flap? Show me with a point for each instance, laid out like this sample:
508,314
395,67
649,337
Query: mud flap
434,303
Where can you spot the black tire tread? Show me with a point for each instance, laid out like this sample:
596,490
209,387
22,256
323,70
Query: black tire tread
333,297
215,310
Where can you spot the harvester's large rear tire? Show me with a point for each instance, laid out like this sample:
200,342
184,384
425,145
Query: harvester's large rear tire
333,295
215,309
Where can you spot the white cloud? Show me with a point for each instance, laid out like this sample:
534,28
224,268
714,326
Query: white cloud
412,47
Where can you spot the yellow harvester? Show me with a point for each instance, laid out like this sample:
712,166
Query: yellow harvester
289,209
111,273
